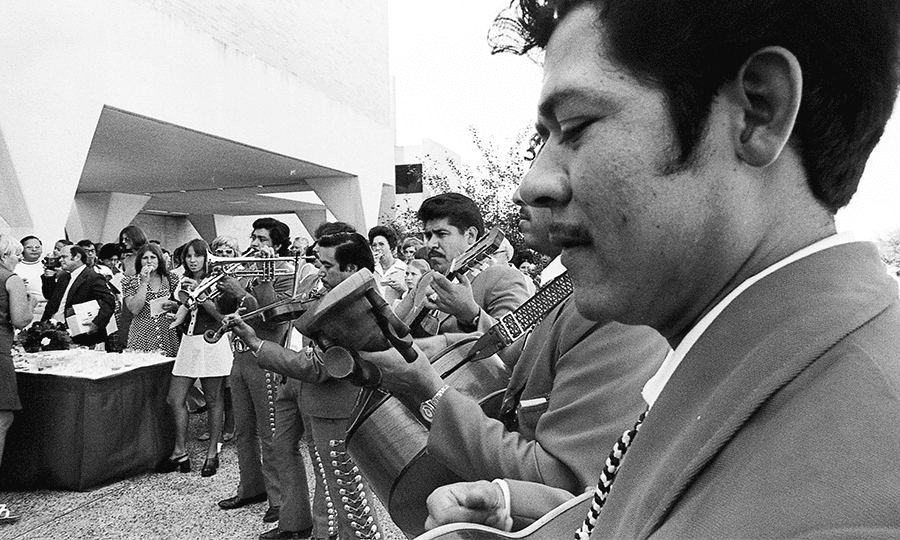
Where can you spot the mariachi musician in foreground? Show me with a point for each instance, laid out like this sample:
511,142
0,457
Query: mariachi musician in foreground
327,402
695,156
574,388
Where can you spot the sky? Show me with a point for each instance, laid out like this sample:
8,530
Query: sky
447,82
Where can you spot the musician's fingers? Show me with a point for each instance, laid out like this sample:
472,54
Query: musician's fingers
472,502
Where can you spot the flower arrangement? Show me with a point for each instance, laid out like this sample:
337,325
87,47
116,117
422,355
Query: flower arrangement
45,336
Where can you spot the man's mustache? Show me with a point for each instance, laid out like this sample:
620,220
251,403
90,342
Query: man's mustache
435,253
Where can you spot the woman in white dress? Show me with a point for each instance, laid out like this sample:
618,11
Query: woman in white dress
196,358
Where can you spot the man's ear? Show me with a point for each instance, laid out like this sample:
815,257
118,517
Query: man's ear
471,235
767,90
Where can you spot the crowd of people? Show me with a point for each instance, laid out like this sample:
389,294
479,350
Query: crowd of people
705,348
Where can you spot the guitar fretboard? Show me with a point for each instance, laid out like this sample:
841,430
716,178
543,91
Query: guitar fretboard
516,323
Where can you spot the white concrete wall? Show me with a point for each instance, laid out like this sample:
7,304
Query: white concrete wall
63,61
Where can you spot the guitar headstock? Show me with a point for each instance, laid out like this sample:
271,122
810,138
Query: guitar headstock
477,253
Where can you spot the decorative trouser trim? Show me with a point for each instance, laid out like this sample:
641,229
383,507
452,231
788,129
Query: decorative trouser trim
329,504
353,494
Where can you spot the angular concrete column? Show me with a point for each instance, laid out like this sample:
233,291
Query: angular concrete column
387,208
341,196
209,225
311,219
101,216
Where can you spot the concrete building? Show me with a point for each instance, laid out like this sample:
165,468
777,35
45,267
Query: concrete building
191,117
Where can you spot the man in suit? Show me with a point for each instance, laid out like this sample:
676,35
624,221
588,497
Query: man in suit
326,402
574,388
78,284
694,157
451,223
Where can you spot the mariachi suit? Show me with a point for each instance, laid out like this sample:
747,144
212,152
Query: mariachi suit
497,290
781,420
327,404
253,392
88,286
574,389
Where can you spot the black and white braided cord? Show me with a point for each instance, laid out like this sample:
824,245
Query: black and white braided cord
607,476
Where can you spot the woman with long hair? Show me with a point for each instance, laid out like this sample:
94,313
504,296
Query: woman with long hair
131,240
16,309
148,296
197,359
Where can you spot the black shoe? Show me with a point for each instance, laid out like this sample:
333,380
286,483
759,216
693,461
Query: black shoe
272,515
181,463
232,503
278,534
210,466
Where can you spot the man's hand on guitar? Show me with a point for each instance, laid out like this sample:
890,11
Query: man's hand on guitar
470,502
454,298
418,380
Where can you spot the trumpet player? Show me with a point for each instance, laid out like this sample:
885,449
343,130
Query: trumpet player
253,389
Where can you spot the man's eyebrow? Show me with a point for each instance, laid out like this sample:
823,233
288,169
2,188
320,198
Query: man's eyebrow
573,96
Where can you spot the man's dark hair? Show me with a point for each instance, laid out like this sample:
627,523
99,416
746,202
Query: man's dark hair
278,231
459,210
30,237
688,50
332,227
86,244
78,250
135,235
109,250
63,241
350,248
388,233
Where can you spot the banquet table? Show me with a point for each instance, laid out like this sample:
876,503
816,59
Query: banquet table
88,419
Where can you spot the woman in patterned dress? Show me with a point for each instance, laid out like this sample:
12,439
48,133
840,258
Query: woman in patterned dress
148,295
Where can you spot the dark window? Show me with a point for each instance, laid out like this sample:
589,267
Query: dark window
408,178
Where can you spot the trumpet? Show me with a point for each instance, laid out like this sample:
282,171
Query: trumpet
244,266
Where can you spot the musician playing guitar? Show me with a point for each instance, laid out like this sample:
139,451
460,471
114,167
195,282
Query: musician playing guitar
575,387
326,402
451,223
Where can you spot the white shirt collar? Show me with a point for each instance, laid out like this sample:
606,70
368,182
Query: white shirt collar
75,273
656,383
553,269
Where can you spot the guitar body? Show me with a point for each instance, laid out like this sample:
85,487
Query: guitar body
388,442
559,523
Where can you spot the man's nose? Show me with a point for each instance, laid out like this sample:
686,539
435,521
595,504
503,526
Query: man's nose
545,184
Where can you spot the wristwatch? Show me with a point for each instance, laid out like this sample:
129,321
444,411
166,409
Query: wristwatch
428,406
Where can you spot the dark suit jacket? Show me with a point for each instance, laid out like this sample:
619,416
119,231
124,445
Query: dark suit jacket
782,420
89,285
580,384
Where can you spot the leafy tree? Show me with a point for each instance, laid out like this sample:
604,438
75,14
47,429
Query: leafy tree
889,246
490,184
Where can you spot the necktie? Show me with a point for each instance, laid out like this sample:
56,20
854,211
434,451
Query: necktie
607,476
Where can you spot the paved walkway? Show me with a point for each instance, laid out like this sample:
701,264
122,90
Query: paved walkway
150,506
